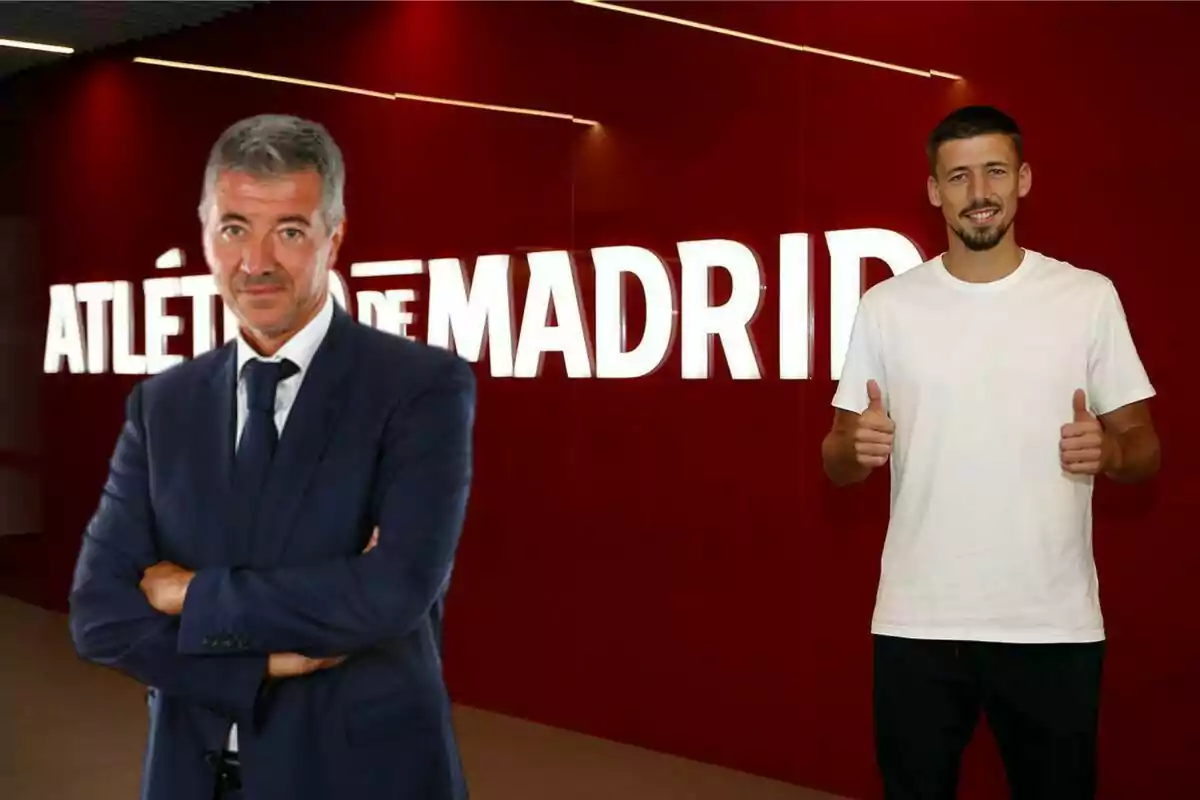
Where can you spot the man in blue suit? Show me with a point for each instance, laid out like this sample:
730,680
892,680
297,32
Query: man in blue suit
274,543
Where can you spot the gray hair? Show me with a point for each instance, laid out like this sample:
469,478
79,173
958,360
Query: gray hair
273,145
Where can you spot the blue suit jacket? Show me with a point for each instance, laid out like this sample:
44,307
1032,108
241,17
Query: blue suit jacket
380,434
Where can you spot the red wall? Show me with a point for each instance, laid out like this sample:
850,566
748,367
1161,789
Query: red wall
658,561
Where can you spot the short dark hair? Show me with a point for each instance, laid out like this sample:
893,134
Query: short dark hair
971,121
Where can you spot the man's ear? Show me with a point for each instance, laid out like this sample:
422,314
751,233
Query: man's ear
335,242
931,186
1024,179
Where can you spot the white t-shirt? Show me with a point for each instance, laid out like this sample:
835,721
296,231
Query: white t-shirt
989,539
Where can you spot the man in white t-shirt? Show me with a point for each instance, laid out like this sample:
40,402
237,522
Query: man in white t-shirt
996,382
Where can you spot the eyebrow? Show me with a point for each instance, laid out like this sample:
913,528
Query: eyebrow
961,167
289,219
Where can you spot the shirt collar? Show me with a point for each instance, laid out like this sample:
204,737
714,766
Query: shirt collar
300,349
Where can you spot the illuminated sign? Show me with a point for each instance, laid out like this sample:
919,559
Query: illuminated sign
90,327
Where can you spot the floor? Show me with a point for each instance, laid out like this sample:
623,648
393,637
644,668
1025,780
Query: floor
71,731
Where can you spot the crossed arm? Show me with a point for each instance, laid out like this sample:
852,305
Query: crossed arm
351,603
110,620
157,621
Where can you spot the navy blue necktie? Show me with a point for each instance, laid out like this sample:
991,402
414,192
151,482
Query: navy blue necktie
259,436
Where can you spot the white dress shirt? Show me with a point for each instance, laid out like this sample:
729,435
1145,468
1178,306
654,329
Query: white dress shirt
300,350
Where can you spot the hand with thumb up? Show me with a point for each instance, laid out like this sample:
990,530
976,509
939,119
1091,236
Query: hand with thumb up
1085,448
874,432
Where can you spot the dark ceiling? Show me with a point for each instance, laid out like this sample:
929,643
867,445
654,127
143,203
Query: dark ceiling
95,24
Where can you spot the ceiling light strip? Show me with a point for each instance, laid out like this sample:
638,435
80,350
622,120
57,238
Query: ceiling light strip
800,48
367,92
533,112
263,76
45,48
637,12
924,73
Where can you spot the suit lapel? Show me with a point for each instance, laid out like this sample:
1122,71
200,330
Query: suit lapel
307,433
213,426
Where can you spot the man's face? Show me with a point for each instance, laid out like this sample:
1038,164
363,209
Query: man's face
977,185
267,243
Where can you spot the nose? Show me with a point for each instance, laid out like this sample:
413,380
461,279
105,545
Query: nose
257,256
979,188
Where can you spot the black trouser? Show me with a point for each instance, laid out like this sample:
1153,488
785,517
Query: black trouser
1041,702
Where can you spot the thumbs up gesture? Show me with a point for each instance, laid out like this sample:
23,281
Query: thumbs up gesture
1084,446
873,436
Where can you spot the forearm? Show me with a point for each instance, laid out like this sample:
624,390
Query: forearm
229,685
112,625
111,621
1136,455
355,602
337,608
841,462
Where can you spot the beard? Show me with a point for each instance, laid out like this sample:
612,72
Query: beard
981,239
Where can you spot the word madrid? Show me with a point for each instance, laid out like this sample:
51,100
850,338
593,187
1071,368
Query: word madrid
86,318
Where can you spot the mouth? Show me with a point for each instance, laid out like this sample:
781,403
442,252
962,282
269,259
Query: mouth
258,291
983,216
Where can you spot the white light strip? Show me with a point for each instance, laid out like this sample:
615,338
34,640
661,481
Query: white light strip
46,48
490,107
353,90
262,76
800,48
